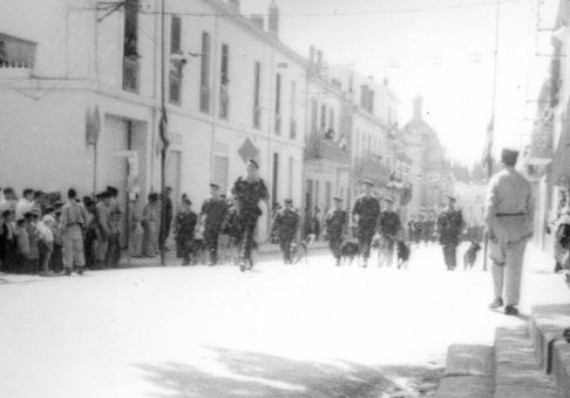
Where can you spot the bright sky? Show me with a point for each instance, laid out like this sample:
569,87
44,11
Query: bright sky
441,49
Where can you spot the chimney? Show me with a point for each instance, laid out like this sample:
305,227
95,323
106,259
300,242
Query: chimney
418,104
273,18
257,20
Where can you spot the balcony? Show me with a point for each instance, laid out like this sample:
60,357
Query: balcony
320,147
131,74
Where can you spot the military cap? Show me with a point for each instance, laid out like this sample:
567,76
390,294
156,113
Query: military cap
112,190
253,163
452,198
337,198
49,209
214,185
288,200
367,182
58,204
509,156
104,194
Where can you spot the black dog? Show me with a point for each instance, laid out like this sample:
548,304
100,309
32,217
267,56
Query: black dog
403,253
348,252
470,255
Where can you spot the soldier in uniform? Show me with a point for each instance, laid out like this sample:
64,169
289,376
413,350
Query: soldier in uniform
185,225
509,215
366,211
285,225
214,211
449,228
389,227
73,219
248,191
336,223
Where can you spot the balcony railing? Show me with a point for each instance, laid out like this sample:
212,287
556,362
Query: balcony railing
320,147
131,74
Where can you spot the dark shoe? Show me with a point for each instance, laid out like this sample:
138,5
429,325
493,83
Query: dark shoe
67,272
498,302
511,310
80,270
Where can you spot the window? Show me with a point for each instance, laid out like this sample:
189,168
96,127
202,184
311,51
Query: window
175,34
332,126
205,74
278,104
328,190
224,82
323,118
256,95
293,121
130,48
291,172
275,187
176,65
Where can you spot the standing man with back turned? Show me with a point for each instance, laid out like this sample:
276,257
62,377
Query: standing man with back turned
508,214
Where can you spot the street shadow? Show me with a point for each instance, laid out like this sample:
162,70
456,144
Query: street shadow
246,374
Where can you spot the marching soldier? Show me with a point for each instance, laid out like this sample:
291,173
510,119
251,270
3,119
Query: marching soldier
285,225
214,211
508,215
185,225
389,227
248,191
449,227
336,223
366,210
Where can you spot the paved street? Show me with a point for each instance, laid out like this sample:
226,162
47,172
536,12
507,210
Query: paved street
280,331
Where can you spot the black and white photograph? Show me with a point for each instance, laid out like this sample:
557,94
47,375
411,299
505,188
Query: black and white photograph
284,198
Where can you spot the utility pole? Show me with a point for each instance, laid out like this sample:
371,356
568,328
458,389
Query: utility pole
491,133
164,150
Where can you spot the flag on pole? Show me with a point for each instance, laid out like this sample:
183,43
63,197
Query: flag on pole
163,129
93,126
487,158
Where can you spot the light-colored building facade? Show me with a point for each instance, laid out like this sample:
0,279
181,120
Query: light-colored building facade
471,200
232,90
429,173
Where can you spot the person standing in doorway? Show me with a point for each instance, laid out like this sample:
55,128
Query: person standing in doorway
509,213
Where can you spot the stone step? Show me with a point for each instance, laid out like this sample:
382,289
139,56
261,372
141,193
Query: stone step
468,372
517,374
552,352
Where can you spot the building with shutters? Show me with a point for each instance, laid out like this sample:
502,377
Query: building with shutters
85,110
